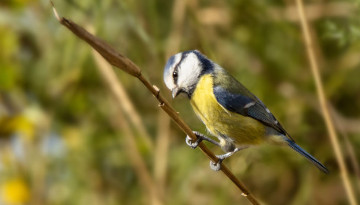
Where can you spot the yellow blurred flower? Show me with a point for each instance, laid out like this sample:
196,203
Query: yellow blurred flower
17,124
15,191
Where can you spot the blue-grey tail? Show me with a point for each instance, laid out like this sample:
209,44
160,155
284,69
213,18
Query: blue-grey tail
312,159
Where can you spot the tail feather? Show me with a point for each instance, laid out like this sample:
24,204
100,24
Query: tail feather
312,159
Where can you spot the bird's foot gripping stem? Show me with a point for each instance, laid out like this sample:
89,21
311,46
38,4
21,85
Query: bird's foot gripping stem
216,166
200,137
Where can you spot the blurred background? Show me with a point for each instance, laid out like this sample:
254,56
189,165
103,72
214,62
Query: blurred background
74,131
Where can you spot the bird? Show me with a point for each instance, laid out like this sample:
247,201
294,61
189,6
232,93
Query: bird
230,112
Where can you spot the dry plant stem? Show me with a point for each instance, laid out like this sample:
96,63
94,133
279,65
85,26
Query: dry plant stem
163,139
137,160
162,151
128,66
340,123
174,39
183,126
349,147
324,106
123,99
353,158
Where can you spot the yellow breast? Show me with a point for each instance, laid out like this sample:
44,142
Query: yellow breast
221,122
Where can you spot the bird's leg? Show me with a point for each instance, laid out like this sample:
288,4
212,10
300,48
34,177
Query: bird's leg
200,137
216,166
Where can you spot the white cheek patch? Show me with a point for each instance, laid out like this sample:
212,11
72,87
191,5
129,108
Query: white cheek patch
189,71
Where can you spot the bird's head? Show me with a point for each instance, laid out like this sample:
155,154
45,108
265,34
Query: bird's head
183,71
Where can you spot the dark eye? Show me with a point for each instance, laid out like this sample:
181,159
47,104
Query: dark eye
175,75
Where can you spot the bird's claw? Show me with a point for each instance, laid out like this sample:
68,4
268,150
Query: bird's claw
191,143
216,166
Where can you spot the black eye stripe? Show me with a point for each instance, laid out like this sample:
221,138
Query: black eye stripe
176,73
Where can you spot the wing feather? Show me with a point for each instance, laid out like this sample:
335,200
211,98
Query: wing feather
240,100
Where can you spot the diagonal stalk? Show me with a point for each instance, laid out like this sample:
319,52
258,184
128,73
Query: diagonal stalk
125,64
324,107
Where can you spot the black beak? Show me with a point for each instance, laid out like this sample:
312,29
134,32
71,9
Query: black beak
175,92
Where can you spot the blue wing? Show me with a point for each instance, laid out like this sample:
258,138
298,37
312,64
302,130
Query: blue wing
246,104
233,96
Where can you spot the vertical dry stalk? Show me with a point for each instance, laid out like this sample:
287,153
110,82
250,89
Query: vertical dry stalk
136,160
174,40
344,126
138,163
352,156
323,104
123,99
348,145
162,140
161,151
125,64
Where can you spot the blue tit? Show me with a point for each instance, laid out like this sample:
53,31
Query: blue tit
230,112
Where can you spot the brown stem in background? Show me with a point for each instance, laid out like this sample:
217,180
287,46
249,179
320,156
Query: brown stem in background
324,107
123,99
132,150
349,147
125,64
136,160
163,139
161,152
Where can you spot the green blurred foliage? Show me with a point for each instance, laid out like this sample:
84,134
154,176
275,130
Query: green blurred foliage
60,145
